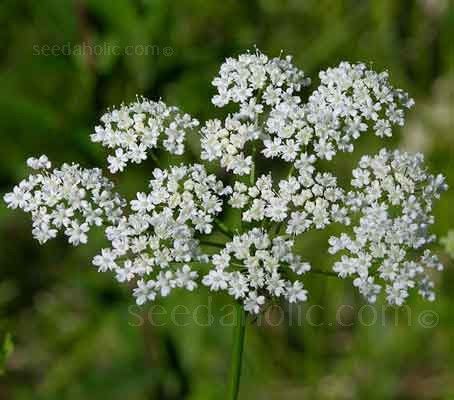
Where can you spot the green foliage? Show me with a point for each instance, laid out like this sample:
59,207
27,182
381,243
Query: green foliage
6,350
448,243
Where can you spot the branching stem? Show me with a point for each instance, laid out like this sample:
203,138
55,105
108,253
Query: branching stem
223,228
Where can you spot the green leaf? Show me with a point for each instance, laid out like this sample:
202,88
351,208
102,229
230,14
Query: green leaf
5,351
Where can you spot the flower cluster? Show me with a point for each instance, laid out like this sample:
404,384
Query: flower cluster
159,234
240,79
308,200
165,238
253,267
350,100
265,89
392,198
135,129
70,199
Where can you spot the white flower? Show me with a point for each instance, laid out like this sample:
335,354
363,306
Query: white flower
117,162
18,198
217,279
158,238
126,273
77,233
393,224
238,285
185,278
254,303
135,129
39,163
144,291
239,80
295,292
144,203
105,261
165,283
160,228
253,262
71,199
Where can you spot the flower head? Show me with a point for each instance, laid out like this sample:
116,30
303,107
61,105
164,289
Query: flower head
173,235
136,129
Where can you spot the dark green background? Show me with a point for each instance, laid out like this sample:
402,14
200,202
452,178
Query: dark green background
72,327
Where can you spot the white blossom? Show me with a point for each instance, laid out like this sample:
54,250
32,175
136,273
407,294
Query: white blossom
393,225
70,199
41,162
254,263
178,233
157,240
350,100
134,130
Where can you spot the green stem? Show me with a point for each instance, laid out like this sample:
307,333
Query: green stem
279,225
156,160
326,273
223,228
252,175
278,228
213,244
237,353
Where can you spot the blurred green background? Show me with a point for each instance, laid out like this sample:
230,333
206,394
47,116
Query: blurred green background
75,332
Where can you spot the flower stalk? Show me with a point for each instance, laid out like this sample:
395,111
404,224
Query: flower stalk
237,353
